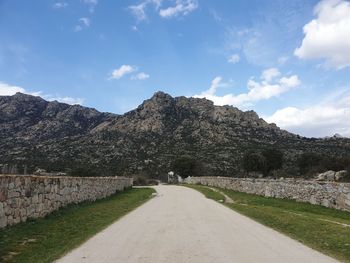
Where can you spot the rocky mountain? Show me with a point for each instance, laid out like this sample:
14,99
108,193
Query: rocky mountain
57,136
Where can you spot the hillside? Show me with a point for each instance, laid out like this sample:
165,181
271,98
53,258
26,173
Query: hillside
58,136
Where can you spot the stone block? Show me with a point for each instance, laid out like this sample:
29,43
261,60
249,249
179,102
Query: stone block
18,182
2,210
3,195
35,199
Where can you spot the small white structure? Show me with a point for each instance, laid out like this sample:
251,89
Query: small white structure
172,178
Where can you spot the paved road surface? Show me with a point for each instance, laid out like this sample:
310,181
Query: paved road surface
180,225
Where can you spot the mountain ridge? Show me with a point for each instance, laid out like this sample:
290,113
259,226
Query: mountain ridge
59,136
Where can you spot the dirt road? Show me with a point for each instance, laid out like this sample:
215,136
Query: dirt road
180,225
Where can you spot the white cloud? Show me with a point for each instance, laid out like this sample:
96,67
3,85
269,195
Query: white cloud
91,3
270,74
9,90
216,16
120,72
215,84
68,100
269,86
60,5
327,36
264,40
84,22
139,11
323,119
182,7
233,59
140,76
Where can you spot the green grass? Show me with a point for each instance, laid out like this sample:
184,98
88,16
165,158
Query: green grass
46,239
209,193
309,224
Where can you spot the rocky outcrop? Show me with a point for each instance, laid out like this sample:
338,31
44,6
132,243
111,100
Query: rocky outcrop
24,197
326,176
331,175
333,195
60,137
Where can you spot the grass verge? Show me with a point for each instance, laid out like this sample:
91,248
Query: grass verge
324,229
209,193
46,239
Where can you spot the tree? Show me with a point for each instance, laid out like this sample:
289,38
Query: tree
254,162
336,163
185,166
274,160
309,161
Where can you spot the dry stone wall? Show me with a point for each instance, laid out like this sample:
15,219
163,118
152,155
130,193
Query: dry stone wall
329,194
23,196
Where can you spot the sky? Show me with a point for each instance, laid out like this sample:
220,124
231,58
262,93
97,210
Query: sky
287,60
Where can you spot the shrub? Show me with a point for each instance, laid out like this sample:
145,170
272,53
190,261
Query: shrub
273,160
152,182
186,166
311,163
140,180
308,162
264,162
83,171
337,163
254,162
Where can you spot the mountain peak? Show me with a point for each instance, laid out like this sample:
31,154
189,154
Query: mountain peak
160,95
20,95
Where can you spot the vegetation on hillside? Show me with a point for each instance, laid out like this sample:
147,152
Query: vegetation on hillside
271,161
311,163
264,162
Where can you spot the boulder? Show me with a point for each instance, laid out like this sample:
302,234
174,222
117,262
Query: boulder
340,174
326,176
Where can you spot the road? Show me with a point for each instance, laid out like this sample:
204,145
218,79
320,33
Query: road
181,225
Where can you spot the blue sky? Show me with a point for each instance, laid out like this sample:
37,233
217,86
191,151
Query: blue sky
287,60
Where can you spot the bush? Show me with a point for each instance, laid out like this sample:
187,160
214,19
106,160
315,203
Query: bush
186,166
142,181
84,171
152,182
273,159
337,163
265,162
311,163
308,162
254,162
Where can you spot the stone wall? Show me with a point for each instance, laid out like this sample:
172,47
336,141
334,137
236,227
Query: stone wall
24,196
329,194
